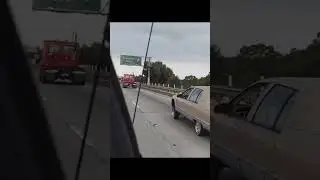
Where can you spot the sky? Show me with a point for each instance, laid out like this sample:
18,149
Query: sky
34,27
184,47
282,23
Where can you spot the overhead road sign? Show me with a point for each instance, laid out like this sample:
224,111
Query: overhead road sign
130,60
69,6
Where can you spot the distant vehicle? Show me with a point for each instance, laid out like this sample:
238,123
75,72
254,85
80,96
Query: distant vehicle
269,131
194,104
128,80
61,63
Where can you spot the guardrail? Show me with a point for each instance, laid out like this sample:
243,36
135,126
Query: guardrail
217,92
162,90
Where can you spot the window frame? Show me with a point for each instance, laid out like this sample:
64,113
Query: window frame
253,108
199,96
70,49
284,105
51,47
246,90
192,88
193,91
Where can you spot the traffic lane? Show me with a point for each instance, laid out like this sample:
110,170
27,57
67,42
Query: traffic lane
60,107
73,101
179,134
149,142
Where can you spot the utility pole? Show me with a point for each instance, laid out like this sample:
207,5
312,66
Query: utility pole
75,37
149,66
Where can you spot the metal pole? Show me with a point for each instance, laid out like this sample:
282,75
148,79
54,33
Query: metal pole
145,58
149,65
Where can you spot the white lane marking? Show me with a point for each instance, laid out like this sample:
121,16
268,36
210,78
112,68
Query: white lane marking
79,133
134,103
157,94
164,99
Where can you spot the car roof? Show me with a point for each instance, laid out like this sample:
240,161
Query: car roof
206,88
296,83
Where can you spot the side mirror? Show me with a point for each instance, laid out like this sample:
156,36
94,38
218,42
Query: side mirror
221,108
179,94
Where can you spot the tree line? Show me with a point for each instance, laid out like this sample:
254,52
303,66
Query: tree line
256,60
160,73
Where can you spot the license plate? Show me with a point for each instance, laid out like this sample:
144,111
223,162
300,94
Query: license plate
65,74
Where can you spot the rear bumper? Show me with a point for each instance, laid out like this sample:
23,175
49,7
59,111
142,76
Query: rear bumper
75,74
129,85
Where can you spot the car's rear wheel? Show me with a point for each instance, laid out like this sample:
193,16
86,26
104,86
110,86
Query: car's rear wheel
175,113
198,128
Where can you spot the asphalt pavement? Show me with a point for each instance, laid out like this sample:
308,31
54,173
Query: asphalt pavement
66,108
158,134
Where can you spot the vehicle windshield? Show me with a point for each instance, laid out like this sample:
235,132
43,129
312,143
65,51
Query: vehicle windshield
68,49
53,49
65,49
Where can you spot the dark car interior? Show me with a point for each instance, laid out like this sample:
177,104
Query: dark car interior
28,151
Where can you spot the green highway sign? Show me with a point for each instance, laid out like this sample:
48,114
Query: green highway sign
130,60
89,6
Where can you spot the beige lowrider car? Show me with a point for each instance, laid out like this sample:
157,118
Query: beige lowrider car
194,104
271,130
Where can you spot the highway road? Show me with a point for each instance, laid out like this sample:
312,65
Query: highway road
158,134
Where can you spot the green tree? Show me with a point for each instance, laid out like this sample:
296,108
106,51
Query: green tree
260,59
159,73
190,81
204,81
258,51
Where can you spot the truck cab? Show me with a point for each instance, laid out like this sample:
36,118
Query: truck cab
128,80
61,63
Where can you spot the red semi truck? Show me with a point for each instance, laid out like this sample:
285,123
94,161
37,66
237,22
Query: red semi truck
128,80
60,62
